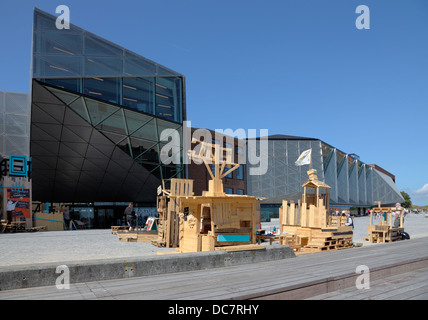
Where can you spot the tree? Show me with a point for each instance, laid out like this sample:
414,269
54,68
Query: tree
407,201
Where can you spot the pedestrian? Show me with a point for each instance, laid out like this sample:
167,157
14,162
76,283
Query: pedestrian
128,215
67,217
400,211
349,220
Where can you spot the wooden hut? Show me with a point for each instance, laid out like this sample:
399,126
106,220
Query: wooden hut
385,230
215,220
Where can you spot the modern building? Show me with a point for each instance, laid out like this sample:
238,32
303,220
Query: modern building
97,112
234,182
354,184
93,136
91,130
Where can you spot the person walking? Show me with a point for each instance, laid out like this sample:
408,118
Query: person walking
67,217
128,216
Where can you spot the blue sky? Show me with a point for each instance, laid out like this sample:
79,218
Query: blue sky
292,67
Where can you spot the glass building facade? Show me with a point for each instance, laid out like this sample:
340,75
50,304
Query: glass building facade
97,113
353,183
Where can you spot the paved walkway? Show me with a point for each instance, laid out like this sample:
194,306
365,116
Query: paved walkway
84,245
267,280
18,249
298,278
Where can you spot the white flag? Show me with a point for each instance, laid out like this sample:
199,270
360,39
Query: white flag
305,158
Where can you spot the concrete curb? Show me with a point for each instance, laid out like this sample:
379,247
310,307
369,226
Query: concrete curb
39,275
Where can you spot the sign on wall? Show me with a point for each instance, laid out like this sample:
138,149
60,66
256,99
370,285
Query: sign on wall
18,204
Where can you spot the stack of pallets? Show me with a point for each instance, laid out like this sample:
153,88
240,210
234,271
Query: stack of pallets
330,239
137,236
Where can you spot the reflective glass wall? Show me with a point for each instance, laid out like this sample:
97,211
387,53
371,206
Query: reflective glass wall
82,62
352,182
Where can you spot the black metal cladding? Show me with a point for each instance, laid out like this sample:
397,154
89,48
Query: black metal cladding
74,161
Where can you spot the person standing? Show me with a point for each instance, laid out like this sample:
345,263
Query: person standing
349,220
128,215
400,211
67,217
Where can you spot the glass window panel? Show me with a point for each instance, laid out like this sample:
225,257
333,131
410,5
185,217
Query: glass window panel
125,146
240,173
230,175
58,43
140,147
103,88
147,132
95,46
135,120
172,171
99,111
64,96
103,67
115,123
163,125
240,191
138,94
79,107
84,216
43,21
340,158
115,138
69,84
350,165
228,190
138,66
163,71
57,66
166,99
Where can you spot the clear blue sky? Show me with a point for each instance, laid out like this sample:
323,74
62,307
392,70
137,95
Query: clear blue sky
292,67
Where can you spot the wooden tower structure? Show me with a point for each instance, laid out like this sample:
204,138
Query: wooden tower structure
308,224
215,220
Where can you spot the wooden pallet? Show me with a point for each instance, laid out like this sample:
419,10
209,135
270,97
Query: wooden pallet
137,236
332,242
3,224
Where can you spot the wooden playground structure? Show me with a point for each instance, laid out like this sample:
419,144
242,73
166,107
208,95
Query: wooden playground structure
307,225
213,221
386,230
